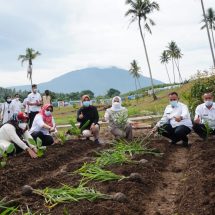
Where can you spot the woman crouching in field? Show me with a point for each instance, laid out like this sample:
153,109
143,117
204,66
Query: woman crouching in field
15,131
43,125
117,117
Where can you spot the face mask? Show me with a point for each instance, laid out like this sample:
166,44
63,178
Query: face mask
23,125
34,90
48,113
116,105
17,99
86,103
8,100
208,103
174,103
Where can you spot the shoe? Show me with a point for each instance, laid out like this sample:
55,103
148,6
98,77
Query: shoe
186,144
173,142
96,141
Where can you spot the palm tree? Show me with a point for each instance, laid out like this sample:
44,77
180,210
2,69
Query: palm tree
30,55
209,38
210,16
164,59
172,48
178,55
135,72
139,10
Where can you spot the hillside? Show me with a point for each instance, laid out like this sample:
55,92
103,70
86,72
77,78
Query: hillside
94,79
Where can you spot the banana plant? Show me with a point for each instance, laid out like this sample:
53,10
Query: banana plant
38,144
4,155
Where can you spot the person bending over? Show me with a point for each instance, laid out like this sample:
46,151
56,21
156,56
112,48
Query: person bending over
15,131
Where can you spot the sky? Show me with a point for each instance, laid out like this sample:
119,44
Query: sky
74,34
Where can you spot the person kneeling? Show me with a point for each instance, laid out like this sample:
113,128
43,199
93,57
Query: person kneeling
175,123
88,113
15,131
43,125
117,117
205,114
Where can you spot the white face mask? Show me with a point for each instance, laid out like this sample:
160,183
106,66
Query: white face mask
116,105
23,125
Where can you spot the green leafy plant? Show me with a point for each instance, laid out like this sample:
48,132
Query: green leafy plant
90,171
38,144
75,130
62,137
4,155
208,130
54,196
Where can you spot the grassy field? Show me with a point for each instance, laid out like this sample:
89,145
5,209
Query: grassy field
142,106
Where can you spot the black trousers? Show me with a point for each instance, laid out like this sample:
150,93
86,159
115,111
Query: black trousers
175,134
200,129
31,117
46,139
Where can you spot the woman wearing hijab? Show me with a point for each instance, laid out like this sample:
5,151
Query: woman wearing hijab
117,117
43,125
7,110
15,131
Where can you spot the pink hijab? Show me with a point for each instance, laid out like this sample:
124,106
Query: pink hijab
46,119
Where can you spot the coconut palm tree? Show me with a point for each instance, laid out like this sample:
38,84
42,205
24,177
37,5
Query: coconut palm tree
139,10
29,56
164,59
210,16
135,72
172,48
178,56
207,27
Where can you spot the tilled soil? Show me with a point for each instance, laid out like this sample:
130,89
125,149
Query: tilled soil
181,182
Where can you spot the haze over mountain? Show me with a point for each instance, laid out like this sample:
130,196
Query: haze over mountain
97,80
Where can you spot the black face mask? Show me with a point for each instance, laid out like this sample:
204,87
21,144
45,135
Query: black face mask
8,102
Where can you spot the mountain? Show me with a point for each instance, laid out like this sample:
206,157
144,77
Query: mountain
97,80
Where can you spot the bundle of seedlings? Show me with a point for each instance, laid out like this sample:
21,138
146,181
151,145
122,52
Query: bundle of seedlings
6,208
54,196
91,171
107,158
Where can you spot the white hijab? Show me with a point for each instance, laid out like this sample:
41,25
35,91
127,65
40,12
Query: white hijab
117,106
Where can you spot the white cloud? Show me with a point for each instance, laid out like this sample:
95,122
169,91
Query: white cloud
73,34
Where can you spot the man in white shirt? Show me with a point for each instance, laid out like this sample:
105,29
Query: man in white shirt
17,104
34,102
205,113
175,123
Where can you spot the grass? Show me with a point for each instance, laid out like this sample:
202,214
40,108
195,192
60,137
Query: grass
54,196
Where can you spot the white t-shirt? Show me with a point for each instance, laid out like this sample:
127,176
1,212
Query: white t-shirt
17,105
32,98
26,105
38,124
